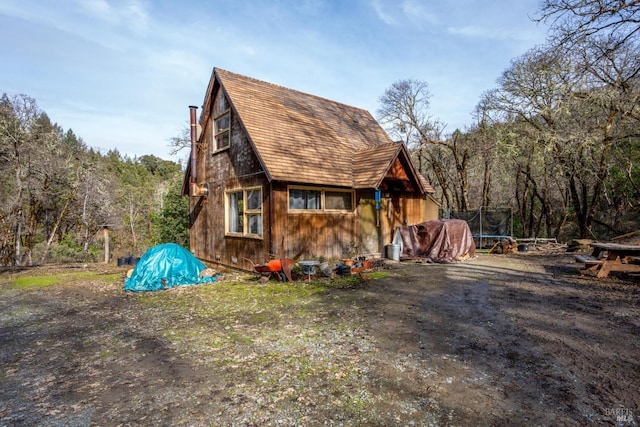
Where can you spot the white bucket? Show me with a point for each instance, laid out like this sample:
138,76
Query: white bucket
393,252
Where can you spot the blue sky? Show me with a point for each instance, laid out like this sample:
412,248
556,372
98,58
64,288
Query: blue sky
122,73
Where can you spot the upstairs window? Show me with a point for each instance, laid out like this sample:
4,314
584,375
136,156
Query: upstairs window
222,131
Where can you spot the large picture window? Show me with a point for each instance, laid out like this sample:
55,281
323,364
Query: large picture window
320,200
222,131
244,212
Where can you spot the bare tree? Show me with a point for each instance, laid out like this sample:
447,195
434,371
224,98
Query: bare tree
18,116
571,111
532,96
491,176
404,112
96,199
182,141
573,21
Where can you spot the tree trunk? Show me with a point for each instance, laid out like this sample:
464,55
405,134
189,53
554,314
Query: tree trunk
486,184
56,224
19,207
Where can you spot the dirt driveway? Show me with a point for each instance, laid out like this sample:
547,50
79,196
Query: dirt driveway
497,340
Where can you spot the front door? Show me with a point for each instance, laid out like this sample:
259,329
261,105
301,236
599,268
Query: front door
370,238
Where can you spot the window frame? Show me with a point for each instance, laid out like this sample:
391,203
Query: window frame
323,205
317,190
246,212
217,132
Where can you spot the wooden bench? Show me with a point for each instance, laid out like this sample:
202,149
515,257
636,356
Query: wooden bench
587,260
591,263
618,257
634,259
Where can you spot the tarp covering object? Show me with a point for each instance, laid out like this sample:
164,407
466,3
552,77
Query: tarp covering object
166,266
444,240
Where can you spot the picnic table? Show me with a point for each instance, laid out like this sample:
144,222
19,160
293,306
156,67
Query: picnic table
607,257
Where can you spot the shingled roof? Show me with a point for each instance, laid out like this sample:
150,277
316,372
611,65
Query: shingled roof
308,139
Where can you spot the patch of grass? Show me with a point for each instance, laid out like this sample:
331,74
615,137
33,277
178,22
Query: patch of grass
108,354
378,275
224,300
228,304
30,282
267,331
46,280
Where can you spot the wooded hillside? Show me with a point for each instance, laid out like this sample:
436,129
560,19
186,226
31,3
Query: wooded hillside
58,194
558,139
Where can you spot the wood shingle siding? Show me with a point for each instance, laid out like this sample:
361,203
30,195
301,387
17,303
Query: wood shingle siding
299,136
280,139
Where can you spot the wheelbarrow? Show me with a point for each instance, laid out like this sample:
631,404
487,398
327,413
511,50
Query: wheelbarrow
272,269
280,268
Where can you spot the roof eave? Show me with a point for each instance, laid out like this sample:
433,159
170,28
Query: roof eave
414,172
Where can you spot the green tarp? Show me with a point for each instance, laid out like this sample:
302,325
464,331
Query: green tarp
166,266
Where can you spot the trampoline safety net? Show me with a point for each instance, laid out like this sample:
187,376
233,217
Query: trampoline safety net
486,223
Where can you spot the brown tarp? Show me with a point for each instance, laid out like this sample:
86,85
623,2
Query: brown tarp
444,240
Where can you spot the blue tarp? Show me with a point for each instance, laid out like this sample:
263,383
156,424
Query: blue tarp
166,266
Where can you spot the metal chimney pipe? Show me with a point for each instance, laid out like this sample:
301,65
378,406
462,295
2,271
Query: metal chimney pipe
194,141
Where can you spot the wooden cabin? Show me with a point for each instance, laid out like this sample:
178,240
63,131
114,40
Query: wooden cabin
272,166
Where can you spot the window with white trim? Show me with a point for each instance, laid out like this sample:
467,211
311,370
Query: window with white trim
244,212
320,200
222,131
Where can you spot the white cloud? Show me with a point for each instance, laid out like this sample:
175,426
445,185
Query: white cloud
182,63
417,14
384,15
131,14
98,9
476,31
412,12
494,33
137,16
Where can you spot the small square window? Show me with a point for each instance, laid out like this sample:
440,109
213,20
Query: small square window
254,199
222,123
222,140
255,223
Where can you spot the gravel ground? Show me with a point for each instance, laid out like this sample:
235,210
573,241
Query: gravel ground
517,339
